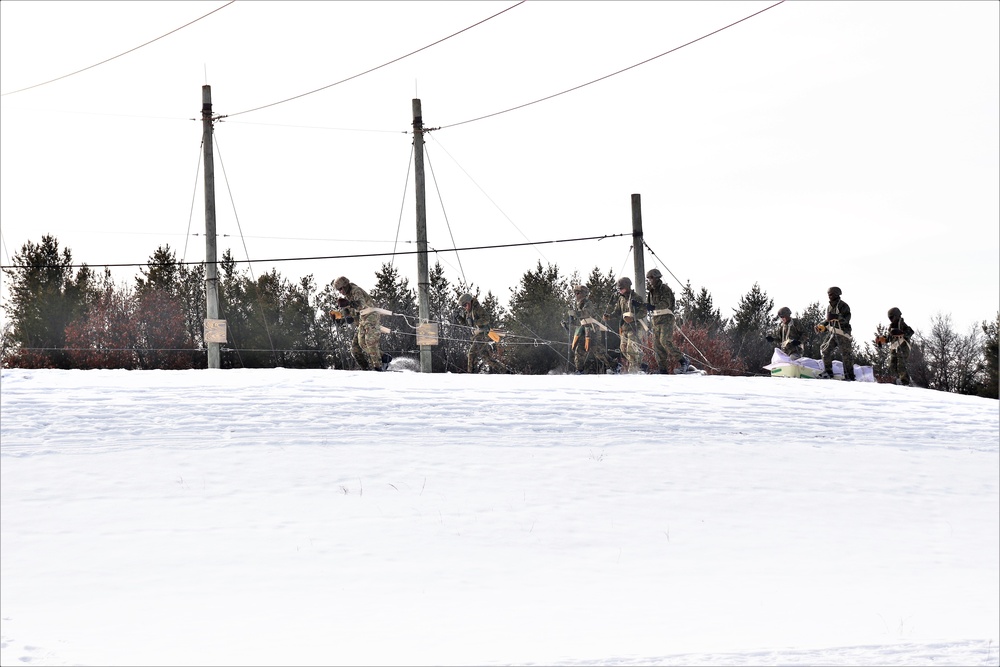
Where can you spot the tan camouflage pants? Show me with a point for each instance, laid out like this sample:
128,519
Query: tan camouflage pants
838,342
590,356
481,350
898,357
631,347
666,352
365,346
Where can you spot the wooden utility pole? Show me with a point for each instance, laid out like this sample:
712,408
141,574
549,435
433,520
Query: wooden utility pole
211,265
423,281
638,256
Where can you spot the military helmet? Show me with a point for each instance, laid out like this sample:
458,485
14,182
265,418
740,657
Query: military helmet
624,283
784,311
341,283
581,290
834,291
894,313
464,299
654,274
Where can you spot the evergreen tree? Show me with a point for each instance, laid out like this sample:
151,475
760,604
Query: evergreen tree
45,297
537,309
602,294
393,292
269,321
704,313
751,323
449,354
990,385
813,314
160,273
163,311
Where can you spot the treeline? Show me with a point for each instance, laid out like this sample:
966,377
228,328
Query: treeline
59,317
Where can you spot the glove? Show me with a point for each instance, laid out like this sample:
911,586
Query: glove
343,302
820,328
349,320
769,339
895,332
650,307
637,304
880,340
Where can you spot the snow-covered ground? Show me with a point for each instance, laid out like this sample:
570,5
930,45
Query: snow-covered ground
327,517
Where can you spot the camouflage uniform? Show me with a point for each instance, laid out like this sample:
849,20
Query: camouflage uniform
788,332
630,332
590,354
367,333
481,347
899,349
838,322
661,300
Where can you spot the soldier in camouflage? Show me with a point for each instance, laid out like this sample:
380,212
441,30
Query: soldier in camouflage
590,354
357,306
838,329
627,313
660,304
481,347
789,335
900,334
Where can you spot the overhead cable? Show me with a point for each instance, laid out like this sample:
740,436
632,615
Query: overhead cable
20,90
368,71
607,76
357,256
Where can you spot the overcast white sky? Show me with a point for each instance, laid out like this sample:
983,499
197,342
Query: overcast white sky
819,143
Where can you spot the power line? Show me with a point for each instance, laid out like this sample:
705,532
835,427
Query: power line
368,71
20,90
607,76
357,256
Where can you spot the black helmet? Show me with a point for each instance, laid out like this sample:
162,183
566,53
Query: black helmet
654,274
894,314
464,299
624,283
784,311
834,291
341,283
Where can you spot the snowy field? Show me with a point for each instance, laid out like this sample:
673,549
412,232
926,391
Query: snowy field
280,517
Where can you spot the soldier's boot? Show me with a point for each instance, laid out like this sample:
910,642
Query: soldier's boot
827,374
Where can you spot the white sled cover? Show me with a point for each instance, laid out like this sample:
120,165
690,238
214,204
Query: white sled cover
782,366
